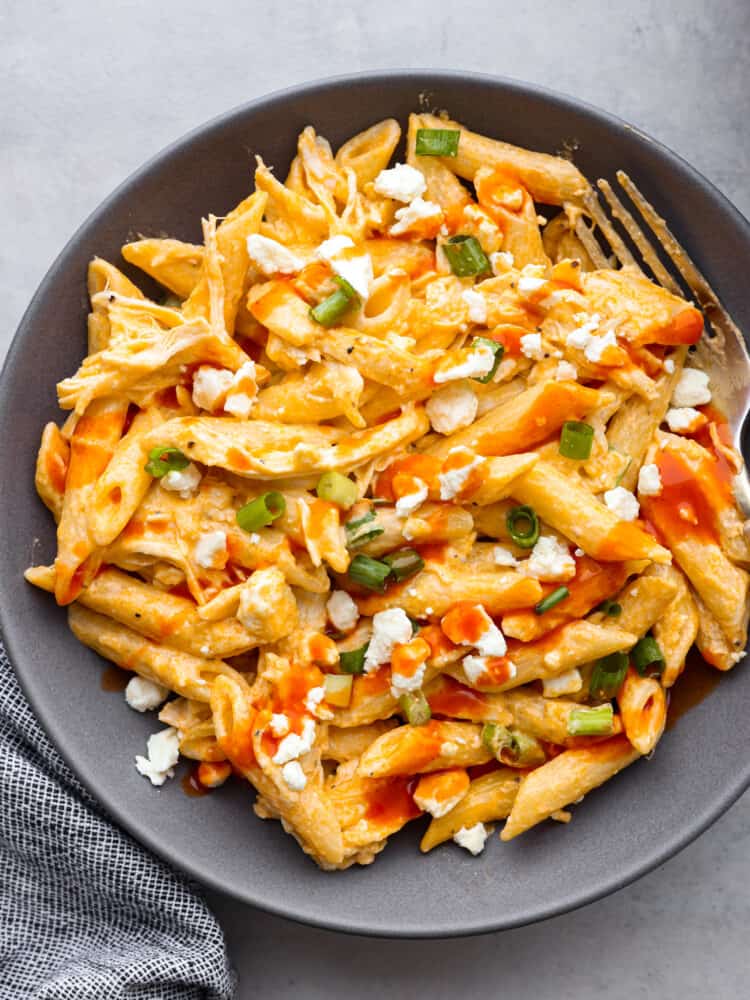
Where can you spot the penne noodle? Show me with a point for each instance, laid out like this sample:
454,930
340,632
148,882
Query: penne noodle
489,798
175,265
643,708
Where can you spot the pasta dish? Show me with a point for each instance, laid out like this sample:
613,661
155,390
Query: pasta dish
397,498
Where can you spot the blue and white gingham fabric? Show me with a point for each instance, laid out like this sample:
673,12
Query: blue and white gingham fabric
85,912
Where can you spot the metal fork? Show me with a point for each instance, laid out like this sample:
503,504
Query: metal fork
722,349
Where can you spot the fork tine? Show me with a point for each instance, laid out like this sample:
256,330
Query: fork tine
588,239
637,235
594,208
694,279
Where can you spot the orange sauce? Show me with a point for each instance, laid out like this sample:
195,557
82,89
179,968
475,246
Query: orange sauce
451,698
191,785
88,460
408,657
56,468
114,679
694,684
465,623
499,670
627,540
556,403
424,467
509,335
367,686
435,553
390,801
238,459
690,499
685,327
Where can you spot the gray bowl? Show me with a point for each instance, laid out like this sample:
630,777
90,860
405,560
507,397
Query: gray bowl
636,822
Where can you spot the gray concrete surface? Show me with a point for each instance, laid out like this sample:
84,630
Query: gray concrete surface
89,91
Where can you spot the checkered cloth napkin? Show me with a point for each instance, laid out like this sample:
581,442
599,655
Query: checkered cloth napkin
85,912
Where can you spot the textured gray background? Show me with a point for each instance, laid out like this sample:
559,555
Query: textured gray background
88,92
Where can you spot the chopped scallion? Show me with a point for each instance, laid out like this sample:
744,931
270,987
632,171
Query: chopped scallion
352,661
607,676
610,608
338,489
437,142
597,721
404,563
357,532
415,707
526,749
523,526
164,459
576,440
497,349
466,256
330,310
369,573
551,600
496,738
261,511
647,654
338,689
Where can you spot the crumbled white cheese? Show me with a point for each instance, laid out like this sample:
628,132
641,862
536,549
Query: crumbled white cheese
474,667
596,346
669,366
407,504
683,419
622,502
529,284
452,407
454,480
566,683
411,215
163,750
492,641
580,337
503,557
210,386
561,295
565,372
438,807
272,257
295,745
477,305
211,550
531,346
472,838
501,262
143,695
343,613
402,183
479,361
279,725
401,684
691,389
649,480
183,481
313,702
294,776
243,391
357,270
550,560
388,628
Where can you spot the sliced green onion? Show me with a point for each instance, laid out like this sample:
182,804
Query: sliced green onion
465,256
591,721
496,738
164,459
338,689
525,537
404,563
338,489
607,676
576,440
356,538
610,608
262,511
526,749
352,661
497,349
551,600
415,707
330,310
437,142
369,573
646,653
